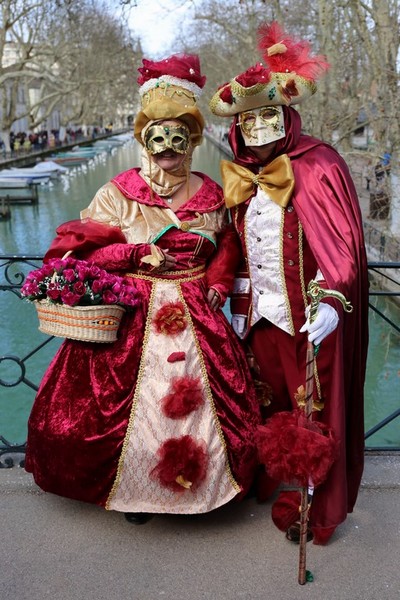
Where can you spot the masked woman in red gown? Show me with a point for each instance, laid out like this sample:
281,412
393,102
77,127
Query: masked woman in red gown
163,419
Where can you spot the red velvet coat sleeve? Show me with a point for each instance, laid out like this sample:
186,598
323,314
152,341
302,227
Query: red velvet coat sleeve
81,236
103,244
223,265
119,257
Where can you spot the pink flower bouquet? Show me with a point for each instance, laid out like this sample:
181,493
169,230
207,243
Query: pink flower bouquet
77,283
78,300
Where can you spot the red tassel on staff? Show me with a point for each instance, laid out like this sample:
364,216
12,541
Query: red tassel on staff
295,450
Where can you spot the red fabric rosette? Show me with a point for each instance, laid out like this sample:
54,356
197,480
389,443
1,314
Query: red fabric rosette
254,75
185,397
296,450
226,95
170,319
182,464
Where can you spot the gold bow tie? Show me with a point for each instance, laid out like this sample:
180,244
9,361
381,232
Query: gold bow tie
276,179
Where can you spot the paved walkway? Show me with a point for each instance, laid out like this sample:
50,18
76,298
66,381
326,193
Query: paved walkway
65,550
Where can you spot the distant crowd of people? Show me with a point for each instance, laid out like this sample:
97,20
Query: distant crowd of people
25,142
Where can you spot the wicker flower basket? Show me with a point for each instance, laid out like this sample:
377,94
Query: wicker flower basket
97,323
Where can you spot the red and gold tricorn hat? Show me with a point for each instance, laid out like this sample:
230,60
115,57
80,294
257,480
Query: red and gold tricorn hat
288,77
169,89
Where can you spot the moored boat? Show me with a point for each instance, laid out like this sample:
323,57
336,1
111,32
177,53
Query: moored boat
87,151
27,174
50,166
10,183
69,161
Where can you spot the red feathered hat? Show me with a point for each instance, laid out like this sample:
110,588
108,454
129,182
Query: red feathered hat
184,67
169,89
288,77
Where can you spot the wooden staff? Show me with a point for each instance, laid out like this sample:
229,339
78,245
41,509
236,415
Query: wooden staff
316,294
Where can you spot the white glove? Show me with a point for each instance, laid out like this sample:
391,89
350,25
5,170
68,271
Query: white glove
325,322
239,324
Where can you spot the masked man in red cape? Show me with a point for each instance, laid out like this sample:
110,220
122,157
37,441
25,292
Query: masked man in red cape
296,212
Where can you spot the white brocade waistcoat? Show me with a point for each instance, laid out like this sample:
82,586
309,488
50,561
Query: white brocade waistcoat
264,223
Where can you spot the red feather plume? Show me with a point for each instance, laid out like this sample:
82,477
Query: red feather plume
291,55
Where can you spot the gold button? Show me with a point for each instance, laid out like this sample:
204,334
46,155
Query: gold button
185,226
291,263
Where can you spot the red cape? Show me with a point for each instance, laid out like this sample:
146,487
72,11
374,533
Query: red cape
327,206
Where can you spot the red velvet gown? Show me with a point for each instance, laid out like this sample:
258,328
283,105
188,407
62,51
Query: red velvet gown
104,427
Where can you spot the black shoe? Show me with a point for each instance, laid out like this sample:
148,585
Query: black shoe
293,534
138,518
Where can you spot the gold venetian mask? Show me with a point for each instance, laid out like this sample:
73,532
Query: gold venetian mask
159,138
261,126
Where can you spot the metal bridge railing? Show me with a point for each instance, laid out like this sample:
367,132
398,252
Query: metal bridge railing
385,281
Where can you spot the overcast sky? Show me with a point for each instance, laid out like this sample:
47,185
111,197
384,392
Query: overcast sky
156,22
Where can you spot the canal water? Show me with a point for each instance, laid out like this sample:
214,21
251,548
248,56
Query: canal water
30,231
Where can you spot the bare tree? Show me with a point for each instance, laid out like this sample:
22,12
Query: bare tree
88,72
377,24
16,64
101,68
359,37
69,55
